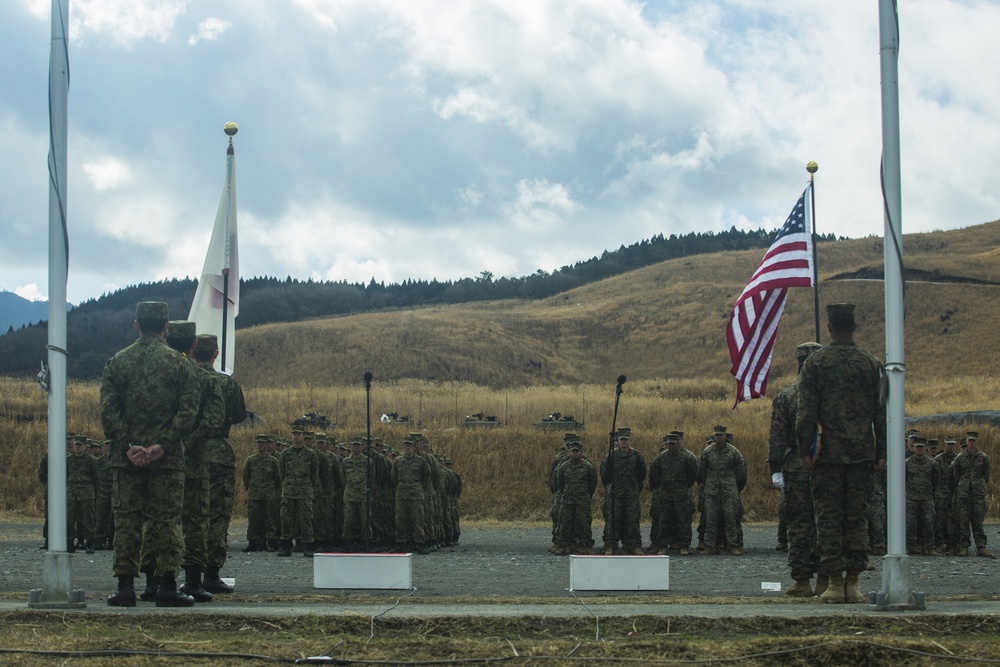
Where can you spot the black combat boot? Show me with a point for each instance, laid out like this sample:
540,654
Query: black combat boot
90,546
298,547
251,547
149,592
192,585
125,596
213,584
167,594
272,545
286,548
308,549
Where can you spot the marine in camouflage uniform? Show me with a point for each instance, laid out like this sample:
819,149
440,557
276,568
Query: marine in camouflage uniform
945,520
672,476
576,481
298,467
795,485
323,492
970,474
262,482
923,479
411,478
841,396
561,456
722,472
623,473
81,492
149,403
357,473
454,529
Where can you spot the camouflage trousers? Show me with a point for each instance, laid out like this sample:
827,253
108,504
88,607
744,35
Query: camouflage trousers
410,522
322,518
105,522
621,521
556,502
971,510
195,522
876,517
724,509
297,519
79,516
453,529
260,520
147,505
800,524
920,524
675,511
944,531
575,529
222,489
840,504
356,525
274,509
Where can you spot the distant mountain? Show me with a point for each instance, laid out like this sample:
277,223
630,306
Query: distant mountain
16,311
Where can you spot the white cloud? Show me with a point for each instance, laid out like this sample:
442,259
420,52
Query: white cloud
209,30
125,22
108,173
31,292
540,206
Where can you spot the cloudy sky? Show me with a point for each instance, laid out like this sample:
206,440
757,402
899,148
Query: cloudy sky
442,138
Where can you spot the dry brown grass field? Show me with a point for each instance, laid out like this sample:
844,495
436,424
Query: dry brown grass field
663,326
504,468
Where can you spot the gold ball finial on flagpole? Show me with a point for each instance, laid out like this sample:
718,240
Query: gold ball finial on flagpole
230,129
812,167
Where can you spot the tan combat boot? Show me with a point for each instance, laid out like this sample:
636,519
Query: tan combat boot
801,589
607,549
982,552
822,583
851,593
834,593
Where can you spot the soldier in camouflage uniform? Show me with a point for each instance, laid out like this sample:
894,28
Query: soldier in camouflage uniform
841,397
672,476
454,530
721,474
795,485
560,457
945,520
623,473
299,471
411,478
923,480
81,492
576,481
357,473
275,448
970,474
336,509
102,509
323,492
262,482
221,464
149,404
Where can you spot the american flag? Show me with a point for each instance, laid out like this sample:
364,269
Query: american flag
753,324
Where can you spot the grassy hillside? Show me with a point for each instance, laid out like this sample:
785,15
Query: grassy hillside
665,321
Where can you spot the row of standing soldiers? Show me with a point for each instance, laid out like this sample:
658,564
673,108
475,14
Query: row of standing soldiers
720,473
317,494
89,523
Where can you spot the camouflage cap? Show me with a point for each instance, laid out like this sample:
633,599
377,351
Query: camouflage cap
80,437
719,430
574,444
207,343
182,329
932,442
624,433
972,435
671,438
261,439
308,435
919,442
950,440
912,433
93,443
803,350
567,437
679,434
298,428
151,310
840,309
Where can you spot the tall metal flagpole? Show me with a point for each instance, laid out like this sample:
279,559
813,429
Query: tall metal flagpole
57,591
896,592
812,168
230,129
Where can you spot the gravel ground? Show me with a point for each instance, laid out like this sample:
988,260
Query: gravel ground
498,561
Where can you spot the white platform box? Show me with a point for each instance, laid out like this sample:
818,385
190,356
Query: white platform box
388,571
619,573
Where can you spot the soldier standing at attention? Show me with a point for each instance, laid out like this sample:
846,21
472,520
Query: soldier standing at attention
970,473
221,461
923,480
411,477
81,491
560,457
796,486
357,473
623,473
841,397
720,471
576,481
672,476
299,471
944,516
149,403
262,484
